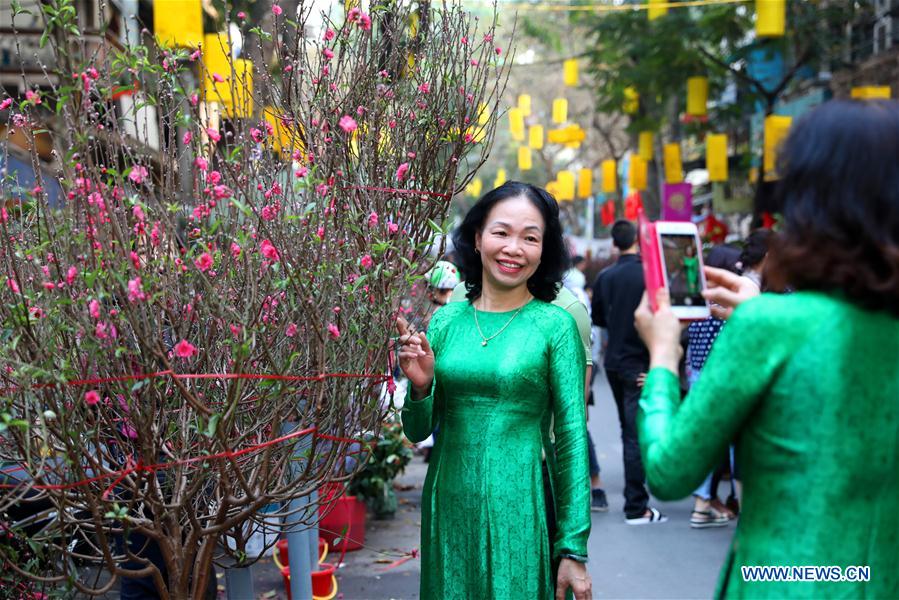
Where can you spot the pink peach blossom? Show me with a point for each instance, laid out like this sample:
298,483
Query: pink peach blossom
136,292
329,35
291,330
277,10
213,134
5,104
71,274
269,251
91,397
185,349
348,123
204,262
373,219
201,163
138,174
218,78
333,331
366,262
12,285
93,308
401,171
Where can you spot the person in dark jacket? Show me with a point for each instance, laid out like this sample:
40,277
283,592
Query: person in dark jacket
616,295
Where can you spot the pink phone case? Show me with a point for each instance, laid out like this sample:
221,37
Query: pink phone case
651,257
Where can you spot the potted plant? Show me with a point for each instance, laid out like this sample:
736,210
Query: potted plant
387,457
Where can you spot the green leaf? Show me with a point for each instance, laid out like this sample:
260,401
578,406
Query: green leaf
213,425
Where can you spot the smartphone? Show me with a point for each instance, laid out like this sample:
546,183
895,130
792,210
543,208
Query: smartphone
681,256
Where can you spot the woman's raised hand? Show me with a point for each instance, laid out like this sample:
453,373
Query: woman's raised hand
416,358
726,290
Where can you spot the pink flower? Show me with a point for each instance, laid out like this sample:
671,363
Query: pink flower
401,171
424,88
328,53
301,172
235,329
392,228
195,55
241,15
71,274
235,250
269,251
12,285
333,331
33,97
135,290
353,15
464,41
204,262
91,398
291,330
185,349
214,178
135,260
138,174
217,78
6,103
138,212
194,99
320,232
187,138
347,123
364,22
373,219
366,262
93,308
498,50
276,10
329,35
256,134
201,163
213,134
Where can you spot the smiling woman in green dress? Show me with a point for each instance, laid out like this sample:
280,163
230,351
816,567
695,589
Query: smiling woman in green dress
806,384
494,373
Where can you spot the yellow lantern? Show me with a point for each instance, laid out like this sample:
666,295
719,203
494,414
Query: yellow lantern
771,17
645,145
483,114
552,188
637,174
524,103
697,96
569,72
501,178
673,168
871,92
516,124
716,156
557,136
560,110
241,106
776,129
609,177
631,102
285,139
566,185
179,23
535,137
216,65
657,8
524,158
584,183
474,188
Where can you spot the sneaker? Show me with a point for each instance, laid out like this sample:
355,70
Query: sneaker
702,519
599,502
654,516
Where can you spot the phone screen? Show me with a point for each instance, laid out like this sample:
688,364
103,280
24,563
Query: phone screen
681,262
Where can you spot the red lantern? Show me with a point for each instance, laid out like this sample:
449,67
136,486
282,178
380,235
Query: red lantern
632,205
608,213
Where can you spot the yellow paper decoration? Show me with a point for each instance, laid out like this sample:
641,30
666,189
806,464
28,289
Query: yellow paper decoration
637,173
516,124
697,96
609,177
569,72
716,156
631,102
178,23
552,188
566,185
535,137
655,10
771,17
584,183
474,188
776,129
560,110
524,158
524,103
235,91
285,139
673,168
571,136
871,92
501,178
645,144
241,106
483,114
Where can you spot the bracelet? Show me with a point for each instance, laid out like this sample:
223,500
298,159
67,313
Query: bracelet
575,557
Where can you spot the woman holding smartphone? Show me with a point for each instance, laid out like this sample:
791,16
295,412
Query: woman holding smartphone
494,373
806,384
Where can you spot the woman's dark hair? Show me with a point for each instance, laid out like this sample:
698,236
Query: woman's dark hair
724,257
546,280
840,193
757,245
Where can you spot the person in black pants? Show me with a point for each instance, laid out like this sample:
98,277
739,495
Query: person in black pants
616,295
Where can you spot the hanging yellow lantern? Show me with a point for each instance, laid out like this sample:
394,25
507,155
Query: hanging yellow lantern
566,185
241,105
216,65
645,142
771,18
569,72
871,92
637,173
286,139
474,188
776,129
673,168
483,114
501,178
716,156
609,176
179,23
535,137
560,110
524,103
557,136
524,158
697,96
516,124
552,188
631,102
657,8
584,183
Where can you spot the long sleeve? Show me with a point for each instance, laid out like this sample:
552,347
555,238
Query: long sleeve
572,488
681,442
420,417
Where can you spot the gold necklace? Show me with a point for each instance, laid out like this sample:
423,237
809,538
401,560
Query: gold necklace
501,329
